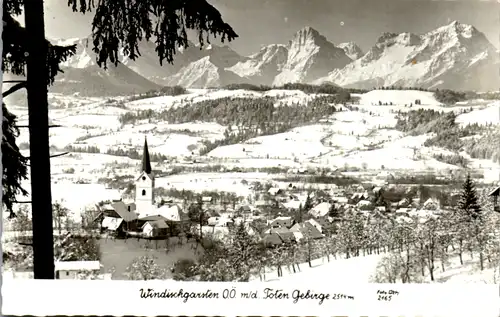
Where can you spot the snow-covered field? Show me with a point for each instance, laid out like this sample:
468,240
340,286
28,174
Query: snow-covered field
238,183
488,115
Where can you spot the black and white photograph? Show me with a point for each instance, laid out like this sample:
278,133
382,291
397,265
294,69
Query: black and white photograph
300,141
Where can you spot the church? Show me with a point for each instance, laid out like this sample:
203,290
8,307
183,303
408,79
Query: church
144,185
144,194
119,216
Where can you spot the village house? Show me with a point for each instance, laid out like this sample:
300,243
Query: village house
118,217
320,210
220,222
281,222
112,224
431,204
494,194
317,223
340,199
71,269
274,191
206,199
155,228
245,209
305,231
276,236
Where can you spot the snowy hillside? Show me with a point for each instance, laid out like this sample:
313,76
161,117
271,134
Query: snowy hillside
489,115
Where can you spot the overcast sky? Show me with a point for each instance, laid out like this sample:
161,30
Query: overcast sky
262,22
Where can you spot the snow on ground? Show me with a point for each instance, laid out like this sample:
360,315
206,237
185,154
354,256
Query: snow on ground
177,145
156,103
351,138
398,97
238,183
204,127
107,122
300,142
166,143
490,114
86,165
59,137
263,163
362,269
70,195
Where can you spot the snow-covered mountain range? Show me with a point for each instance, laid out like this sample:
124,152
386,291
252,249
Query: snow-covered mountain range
455,56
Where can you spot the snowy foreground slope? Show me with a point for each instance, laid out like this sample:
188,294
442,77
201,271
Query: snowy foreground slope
363,269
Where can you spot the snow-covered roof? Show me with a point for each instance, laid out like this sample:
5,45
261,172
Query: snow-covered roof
494,192
111,223
273,190
172,213
77,265
122,210
321,209
364,203
158,224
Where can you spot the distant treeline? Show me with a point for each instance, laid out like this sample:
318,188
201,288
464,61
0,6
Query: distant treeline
320,179
306,88
130,152
164,91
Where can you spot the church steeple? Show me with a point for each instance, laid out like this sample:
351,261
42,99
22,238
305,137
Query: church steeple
146,161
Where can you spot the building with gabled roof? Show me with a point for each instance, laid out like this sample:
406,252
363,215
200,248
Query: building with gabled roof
71,269
155,228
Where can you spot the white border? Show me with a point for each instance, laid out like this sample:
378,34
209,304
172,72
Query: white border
68,297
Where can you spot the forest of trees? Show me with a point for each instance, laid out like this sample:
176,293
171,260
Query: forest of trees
453,159
251,117
416,122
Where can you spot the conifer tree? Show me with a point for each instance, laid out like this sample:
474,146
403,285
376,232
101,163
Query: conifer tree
14,164
308,203
468,203
116,26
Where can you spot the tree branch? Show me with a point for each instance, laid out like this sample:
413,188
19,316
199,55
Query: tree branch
52,156
50,126
15,88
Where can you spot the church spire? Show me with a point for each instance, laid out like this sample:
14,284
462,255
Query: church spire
146,161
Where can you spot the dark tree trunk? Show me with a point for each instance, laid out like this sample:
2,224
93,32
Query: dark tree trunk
41,198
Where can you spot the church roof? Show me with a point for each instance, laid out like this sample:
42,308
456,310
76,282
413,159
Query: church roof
146,161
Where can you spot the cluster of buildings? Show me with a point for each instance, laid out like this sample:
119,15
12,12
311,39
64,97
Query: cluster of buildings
142,218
